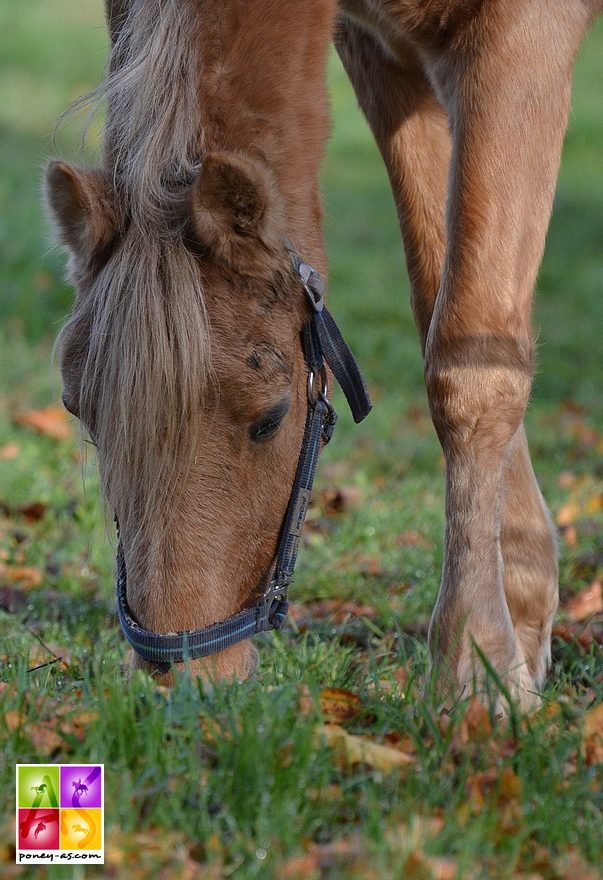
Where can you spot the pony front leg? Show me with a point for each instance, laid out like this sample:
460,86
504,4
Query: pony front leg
506,89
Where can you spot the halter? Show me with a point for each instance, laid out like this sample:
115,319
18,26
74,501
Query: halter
321,341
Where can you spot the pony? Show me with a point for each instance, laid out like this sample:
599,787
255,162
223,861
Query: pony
181,355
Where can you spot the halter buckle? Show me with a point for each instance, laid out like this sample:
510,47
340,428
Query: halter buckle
314,395
314,285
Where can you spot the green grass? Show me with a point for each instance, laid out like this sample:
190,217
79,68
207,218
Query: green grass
234,780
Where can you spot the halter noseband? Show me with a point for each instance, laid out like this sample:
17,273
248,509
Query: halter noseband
321,341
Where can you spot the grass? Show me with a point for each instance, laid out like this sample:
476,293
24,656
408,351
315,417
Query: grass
235,780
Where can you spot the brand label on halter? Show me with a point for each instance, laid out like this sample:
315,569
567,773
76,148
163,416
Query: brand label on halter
299,512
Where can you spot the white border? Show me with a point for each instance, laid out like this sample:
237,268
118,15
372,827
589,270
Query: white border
60,856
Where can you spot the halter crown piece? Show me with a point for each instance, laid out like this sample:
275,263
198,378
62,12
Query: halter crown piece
321,341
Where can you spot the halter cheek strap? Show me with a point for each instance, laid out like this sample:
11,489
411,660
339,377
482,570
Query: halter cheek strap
321,341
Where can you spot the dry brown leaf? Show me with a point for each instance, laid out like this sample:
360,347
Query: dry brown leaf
334,501
52,421
350,750
27,577
567,514
566,479
336,704
13,719
510,785
79,723
33,512
44,738
326,857
476,725
585,603
336,610
412,538
570,535
441,868
402,742
305,700
572,867
585,635
9,452
304,867
592,743
369,565
154,853
330,792
418,866
339,704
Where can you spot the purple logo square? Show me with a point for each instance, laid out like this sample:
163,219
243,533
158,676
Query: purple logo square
82,786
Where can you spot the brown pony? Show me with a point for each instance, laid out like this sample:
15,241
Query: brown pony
182,356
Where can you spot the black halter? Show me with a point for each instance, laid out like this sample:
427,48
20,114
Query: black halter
321,341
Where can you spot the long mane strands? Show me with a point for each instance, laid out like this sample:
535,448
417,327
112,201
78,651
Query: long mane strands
147,363
152,95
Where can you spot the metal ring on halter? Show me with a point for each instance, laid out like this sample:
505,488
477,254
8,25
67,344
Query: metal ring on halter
324,391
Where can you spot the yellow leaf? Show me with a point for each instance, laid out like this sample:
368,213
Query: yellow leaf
351,750
594,504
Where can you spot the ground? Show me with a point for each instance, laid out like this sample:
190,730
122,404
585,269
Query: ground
332,762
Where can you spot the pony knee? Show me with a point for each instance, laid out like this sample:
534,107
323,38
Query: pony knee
477,402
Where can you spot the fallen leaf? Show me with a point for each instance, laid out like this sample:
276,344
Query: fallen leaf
334,501
9,452
567,514
421,867
594,504
330,792
13,719
566,479
593,736
27,577
304,867
44,738
476,725
584,634
369,565
336,610
33,512
587,602
339,704
324,859
572,866
350,750
43,280
52,421
412,538
570,535
510,785
336,704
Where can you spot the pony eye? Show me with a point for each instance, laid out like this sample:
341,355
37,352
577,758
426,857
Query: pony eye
268,424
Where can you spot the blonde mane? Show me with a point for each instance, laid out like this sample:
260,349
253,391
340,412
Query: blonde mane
147,361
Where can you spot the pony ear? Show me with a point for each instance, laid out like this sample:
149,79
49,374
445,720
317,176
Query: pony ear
237,210
80,205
